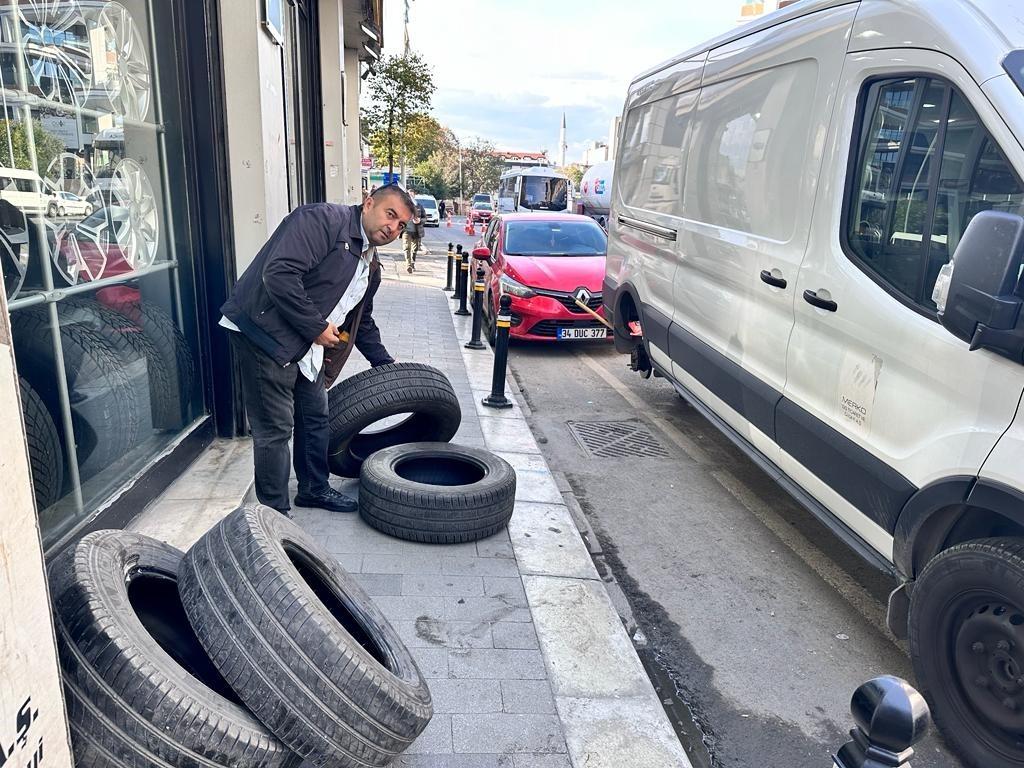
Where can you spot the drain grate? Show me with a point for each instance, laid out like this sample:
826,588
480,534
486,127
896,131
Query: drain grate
613,439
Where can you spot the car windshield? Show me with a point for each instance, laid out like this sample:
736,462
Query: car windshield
427,202
554,238
482,207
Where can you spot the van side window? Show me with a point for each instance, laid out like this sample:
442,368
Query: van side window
654,154
925,166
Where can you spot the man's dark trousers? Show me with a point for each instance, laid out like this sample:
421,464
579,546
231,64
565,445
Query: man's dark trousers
277,400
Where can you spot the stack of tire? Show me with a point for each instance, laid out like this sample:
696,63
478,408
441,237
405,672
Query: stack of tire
413,483
252,650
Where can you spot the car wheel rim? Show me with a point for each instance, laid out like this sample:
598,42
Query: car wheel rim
128,79
55,47
138,236
985,648
70,173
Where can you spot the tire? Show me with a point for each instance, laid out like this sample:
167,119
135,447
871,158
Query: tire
301,643
60,211
45,455
140,690
169,360
388,390
967,602
436,493
104,407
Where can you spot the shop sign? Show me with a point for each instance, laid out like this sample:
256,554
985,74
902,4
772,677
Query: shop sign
64,128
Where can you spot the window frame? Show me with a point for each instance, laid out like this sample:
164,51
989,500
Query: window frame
867,104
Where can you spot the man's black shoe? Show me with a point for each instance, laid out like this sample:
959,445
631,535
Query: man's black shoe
330,500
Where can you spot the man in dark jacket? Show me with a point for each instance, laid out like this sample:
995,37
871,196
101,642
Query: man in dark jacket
296,312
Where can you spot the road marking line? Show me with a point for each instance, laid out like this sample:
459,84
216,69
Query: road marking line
685,444
854,594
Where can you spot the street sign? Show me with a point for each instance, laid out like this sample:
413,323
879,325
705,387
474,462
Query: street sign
366,163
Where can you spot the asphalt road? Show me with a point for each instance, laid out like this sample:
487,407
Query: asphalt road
756,624
762,622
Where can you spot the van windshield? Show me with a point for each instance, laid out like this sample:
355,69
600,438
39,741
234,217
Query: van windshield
539,193
554,238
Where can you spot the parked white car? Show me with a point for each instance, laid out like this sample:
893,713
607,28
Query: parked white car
431,216
787,202
24,190
68,204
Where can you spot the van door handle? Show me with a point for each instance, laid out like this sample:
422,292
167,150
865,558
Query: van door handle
812,298
768,277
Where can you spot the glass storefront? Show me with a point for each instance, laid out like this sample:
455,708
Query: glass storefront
94,243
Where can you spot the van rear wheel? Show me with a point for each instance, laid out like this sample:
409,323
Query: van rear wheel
967,645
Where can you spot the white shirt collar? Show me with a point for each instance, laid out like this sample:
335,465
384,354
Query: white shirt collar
366,240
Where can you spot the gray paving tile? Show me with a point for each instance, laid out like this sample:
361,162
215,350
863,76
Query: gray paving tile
499,586
514,634
425,632
379,584
498,664
507,733
486,609
527,696
420,563
461,565
496,546
459,761
542,761
433,662
435,739
462,586
509,435
398,608
466,696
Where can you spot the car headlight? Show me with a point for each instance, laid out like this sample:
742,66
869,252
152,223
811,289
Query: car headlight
515,288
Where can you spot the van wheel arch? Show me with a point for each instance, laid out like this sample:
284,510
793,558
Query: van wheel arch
950,512
627,309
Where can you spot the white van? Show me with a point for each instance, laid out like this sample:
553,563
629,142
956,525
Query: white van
787,200
25,190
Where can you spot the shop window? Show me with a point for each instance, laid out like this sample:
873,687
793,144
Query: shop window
93,244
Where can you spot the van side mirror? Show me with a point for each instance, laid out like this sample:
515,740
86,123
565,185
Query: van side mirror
482,252
984,299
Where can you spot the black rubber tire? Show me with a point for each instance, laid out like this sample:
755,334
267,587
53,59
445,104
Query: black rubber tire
140,690
438,493
960,599
301,643
150,331
106,425
45,456
388,390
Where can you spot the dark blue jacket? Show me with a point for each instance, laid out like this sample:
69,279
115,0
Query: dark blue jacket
283,298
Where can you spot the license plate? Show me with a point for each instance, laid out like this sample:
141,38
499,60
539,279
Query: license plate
582,333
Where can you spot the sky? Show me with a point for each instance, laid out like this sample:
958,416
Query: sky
505,70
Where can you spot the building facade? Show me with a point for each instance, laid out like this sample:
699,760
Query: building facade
147,150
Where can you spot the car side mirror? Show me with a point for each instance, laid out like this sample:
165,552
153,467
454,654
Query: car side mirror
482,252
984,298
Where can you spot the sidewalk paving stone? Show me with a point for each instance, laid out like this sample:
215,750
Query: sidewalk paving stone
506,734
527,696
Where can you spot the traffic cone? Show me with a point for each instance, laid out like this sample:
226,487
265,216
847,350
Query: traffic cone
472,228
449,219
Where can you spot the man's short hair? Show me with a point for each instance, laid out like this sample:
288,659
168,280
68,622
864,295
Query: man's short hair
401,194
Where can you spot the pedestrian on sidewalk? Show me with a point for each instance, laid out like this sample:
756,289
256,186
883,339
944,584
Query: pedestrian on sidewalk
412,238
296,313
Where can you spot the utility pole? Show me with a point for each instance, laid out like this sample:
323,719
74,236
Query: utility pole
405,55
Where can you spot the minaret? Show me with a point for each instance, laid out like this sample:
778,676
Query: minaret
562,146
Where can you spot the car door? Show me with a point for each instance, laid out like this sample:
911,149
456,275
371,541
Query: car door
756,149
880,400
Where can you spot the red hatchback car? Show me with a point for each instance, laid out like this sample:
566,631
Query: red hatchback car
545,262
481,212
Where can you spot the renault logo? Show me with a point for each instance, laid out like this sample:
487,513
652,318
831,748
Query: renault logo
583,295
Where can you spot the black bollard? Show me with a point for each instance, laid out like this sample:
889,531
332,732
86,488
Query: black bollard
478,311
502,324
451,262
891,717
456,273
463,284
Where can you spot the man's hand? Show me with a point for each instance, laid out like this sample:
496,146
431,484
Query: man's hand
329,337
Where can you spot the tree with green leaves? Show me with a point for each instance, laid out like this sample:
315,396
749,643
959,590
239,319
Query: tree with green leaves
400,92
574,172
48,146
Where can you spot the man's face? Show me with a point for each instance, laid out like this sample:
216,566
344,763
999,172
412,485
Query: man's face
384,218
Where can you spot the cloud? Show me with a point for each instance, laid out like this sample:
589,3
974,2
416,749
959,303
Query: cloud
505,71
